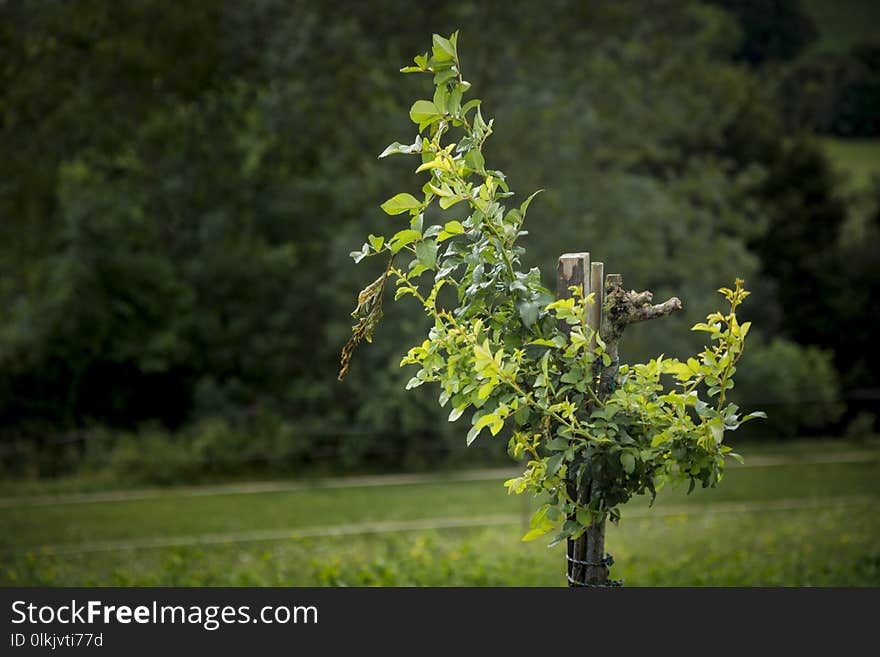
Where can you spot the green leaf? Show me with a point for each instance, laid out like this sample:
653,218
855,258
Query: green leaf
474,159
528,312
414,382
442,190
357,256
426,252
660,438
376,242
445,76
451,229
397,147
558,444
468,106
456,413
443,50
472,435
545,343
422,111
525,205
441,95
402,238
606,412
448,201
584,517
391,149
628,461
402,292
538,532
453,105
492,420
554,463
484,421
416,222
421,65
401,203
574,375
681,371
485,390
717,429
432,164
541,522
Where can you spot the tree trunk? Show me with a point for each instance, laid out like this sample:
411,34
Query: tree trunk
613,309
572,270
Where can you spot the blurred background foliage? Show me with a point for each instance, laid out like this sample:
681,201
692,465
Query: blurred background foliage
181,183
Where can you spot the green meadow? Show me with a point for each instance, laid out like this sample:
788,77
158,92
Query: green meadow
794,515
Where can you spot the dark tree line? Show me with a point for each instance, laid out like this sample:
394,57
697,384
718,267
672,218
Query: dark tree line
181,184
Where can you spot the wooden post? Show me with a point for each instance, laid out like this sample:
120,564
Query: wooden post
612,311
572,270
597,289
589,548
594,537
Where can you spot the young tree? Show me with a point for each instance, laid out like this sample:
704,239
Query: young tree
592,433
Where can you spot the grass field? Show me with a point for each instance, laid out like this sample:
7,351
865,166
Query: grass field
843,23
795,515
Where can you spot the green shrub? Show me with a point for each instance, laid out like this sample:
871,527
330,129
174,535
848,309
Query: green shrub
797,385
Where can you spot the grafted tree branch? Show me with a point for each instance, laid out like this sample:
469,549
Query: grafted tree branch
623,308
657,310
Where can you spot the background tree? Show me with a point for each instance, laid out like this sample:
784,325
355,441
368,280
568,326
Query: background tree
181,183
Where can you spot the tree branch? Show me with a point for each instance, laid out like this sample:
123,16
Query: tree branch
657,310
623,308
